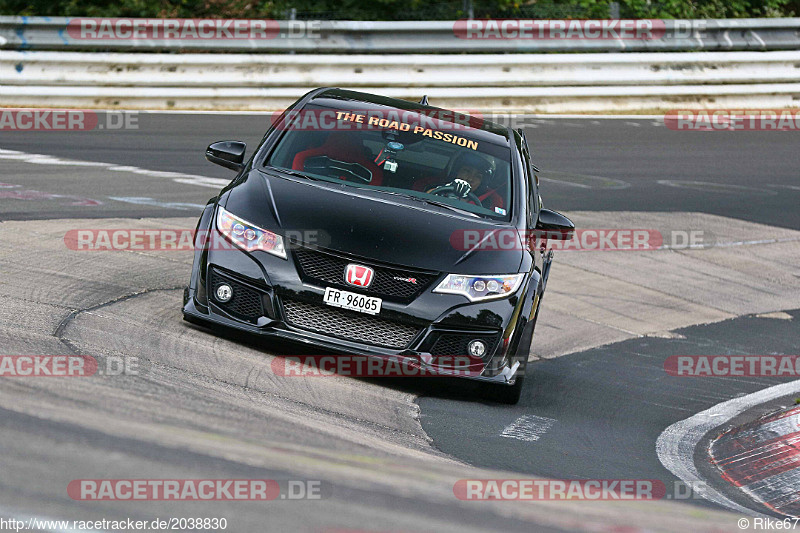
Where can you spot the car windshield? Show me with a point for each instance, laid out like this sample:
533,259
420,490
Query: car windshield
448,164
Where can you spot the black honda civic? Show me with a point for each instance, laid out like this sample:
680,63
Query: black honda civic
384,228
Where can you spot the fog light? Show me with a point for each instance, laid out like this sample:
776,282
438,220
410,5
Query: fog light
477,348
224,293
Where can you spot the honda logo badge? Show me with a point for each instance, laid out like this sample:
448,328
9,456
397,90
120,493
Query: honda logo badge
358,275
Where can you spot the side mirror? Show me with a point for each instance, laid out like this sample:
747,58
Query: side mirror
229,154
554,225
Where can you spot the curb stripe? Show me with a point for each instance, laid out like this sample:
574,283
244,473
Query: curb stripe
763,459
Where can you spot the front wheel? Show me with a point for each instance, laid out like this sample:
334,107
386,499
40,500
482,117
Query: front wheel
508,395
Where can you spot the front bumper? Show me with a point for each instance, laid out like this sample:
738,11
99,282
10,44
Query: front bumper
424,321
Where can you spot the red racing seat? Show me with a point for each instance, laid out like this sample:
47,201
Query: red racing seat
342,147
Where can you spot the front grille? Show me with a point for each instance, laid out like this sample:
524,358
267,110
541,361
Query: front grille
456,344
246,301
349,325
328,269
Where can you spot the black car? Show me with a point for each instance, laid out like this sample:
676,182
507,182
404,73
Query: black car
380,227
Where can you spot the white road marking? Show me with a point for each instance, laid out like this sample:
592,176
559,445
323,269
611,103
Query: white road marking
677,444
528,428
200,181
178,177
777,315
791,187
583,181
143,200
708,186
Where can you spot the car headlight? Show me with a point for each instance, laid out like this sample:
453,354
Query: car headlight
480,287
249,236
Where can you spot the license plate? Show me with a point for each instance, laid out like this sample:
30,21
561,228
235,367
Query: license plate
352,301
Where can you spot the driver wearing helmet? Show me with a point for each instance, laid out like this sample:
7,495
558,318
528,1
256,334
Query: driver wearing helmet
472,175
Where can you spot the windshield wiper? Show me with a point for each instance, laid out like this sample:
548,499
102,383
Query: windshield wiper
431,202
295,173
450,207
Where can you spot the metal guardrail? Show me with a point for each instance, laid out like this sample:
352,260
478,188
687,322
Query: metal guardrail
613,99
416,71
537,83
53,33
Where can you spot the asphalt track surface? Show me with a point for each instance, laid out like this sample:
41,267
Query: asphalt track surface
606,406
203,408
595,165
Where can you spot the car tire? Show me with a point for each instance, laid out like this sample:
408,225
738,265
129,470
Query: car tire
510,395
506,394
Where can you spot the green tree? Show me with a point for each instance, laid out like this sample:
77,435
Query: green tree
401,10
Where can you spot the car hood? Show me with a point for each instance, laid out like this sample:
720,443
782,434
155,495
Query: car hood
368,224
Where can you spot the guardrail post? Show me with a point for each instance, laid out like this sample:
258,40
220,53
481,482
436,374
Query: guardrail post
468,10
